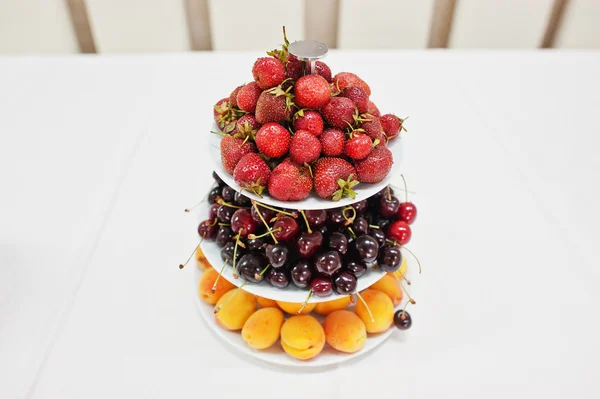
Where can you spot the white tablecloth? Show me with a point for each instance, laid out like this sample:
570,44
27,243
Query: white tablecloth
100,155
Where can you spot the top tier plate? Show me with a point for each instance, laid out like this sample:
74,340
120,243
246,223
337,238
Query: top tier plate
363,190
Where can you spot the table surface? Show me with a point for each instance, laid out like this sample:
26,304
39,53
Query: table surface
100,155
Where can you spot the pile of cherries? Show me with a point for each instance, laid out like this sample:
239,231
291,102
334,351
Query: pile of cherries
324,250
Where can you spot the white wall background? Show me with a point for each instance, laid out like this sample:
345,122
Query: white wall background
123,26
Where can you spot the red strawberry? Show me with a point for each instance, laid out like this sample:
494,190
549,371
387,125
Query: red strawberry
290,182
232,150
248,96
252,173
359,96
312,91
268,72
339,112
392,125
246,126
233,96
372,127
322,69
219,110
332,142
358,146
376,166
273,140
274,105
334,178
373,110
225,115
347,79
305,147
294,68
309,120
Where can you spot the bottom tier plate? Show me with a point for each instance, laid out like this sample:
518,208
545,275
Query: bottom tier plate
275,354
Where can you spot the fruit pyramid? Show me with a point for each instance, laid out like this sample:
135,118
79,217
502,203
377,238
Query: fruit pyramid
287,133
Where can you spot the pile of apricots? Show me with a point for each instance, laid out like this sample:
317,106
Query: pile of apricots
262,322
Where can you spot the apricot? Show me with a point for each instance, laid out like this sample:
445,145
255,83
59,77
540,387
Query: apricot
292,307
403,269
237,310
326,308
201,260
266,302
302,337
381,308
345,331
206,283
262,329
389,286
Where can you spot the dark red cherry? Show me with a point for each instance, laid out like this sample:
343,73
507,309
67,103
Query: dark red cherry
214,194
267,214
360,206
316,218
356,267
339,242
402,320
224,235
399,231
328,262
207,230
389,258
407,212
360,226
308,244
279,278
378,235
241,199
383,223
227,194
344,282
256,244
388,206
285,228
224,213
335,216
302,273
242,222
228,250
218,180
250,266
367,248
277,254
321,286
212,212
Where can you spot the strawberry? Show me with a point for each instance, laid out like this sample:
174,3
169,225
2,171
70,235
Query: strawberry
376,166
305,147
392,125
294,68
246,126
247,97
273,140
358,145
233,96
347,79
232,150
339,112
309,120
322,69
372,127
373,110
290,182
334,178
274,105
312,91
359,96
268,72
252,173
225,115
332,142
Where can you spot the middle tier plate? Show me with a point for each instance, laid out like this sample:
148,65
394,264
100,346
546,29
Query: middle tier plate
363,190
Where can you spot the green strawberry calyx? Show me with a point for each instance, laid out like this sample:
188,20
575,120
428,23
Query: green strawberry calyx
345,189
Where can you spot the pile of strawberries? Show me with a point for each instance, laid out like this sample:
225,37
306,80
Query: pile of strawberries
287,132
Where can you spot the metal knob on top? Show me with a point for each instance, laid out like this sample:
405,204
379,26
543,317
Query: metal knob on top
308,51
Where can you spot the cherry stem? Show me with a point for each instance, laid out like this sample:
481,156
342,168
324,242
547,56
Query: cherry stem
352,299
218,308
402,316
224,224
193,206
392,241
405,279
411,300
351,219
181,266
306,220
351,232
294,215
305,302
389,194
252,236
237,242
221,202
214,287
259,276
414,256
405,188
374,227
366,306
264,222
